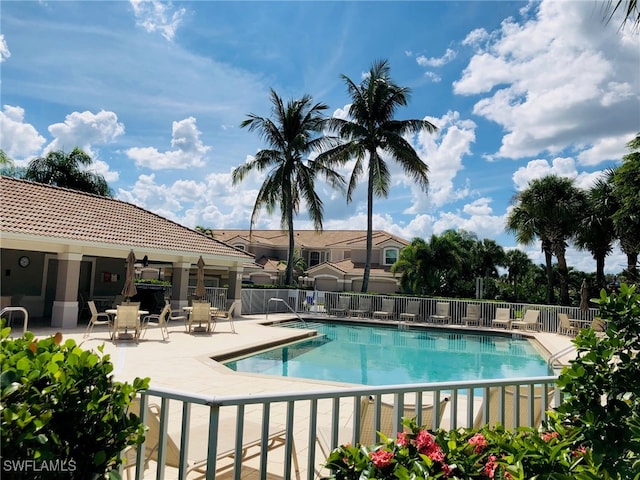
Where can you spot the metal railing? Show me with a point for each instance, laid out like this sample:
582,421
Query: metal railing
10,311
314,422
279,300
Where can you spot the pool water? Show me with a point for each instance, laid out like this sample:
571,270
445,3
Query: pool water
373,355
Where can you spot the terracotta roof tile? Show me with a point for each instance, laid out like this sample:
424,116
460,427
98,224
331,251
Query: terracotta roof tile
42,210
311,238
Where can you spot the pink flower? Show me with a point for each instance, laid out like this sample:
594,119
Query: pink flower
436,454
490,466
581,450
548,436
381,458
403,440
446,470
507,476
424,441
479,441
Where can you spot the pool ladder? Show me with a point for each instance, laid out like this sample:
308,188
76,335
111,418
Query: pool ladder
559,354
288,306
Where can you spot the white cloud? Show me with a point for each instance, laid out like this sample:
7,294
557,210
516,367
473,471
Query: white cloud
434,77
483,225
154,15
83,129
551,87
436,61
562,167
189,150
4,49
19,140
610,148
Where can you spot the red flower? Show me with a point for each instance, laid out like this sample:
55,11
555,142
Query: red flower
490,466
548,436
403,440
479,441
424,441
381,458
581,450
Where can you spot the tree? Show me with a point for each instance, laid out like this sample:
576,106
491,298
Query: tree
518,264
372,132
628,7
626,219
596,233
550,209
8,167
410,268
69,171
294,131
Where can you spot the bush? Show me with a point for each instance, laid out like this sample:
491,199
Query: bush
63,416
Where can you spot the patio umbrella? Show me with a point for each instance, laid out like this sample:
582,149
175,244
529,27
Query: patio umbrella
200,283
584,296
129,289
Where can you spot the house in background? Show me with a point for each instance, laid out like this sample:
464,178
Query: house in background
59,245
335,258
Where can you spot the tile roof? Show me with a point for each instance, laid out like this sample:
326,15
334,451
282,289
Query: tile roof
40,210
310,238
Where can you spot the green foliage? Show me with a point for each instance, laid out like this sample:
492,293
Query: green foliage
63,416
467,454
602,392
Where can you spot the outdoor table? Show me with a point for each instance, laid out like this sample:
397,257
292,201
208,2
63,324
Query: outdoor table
200,328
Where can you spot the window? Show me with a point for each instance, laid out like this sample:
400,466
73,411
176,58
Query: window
239,246
314,258
390,256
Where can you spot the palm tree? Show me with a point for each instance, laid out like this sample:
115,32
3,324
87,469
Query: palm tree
410,268
371,132
518,265
294,131
596,233
628,7
68,171
551,209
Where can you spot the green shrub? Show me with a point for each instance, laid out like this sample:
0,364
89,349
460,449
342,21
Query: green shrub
63,416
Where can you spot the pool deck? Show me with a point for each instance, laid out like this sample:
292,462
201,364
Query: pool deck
184,361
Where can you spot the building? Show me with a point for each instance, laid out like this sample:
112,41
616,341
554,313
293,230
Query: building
59,245
334,258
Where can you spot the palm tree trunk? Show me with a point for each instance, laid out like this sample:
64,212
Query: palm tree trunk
292,245
600,256
548,262
367,265
632,266
564,277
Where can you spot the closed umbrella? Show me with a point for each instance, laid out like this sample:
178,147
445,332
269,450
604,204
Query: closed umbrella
584,296
129,289
200,283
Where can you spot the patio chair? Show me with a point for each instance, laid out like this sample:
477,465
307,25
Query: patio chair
343,305
226,316
503,318
442,313
95,319
198,441
367,416
473,315
364,308
504,412
386,310
158,320
412,313
126,324
200,313
599,325
565,327
529,321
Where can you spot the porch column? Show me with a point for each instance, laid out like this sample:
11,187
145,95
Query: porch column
180,285
65,306
234,292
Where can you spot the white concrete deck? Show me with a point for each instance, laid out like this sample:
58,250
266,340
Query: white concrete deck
184,363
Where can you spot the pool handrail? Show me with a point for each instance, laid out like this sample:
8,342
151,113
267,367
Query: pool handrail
273,299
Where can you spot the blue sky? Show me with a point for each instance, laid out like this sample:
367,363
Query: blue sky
156,92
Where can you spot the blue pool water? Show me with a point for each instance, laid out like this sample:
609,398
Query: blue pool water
372,355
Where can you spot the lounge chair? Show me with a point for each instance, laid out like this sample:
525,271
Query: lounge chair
198,440
503,412
367,415
503,318
442,313
158,320
343,305
412,313
386,310
221,316
565,327
473,315
200,313
599,325
528,322
126,324
364,308
95,319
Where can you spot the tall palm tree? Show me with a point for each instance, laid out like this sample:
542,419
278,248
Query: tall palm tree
67,170
518,264
596,233
551,209
372,132
294,131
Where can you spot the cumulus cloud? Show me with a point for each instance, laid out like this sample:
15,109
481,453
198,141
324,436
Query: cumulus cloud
18,139
4,49
157,16
551,87
188,149
560,166
424,61
83,129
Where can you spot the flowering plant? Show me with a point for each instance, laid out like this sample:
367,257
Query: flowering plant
465,454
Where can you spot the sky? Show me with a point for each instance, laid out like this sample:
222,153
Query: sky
155,92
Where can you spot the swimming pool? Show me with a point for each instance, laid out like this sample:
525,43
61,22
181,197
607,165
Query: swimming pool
376,355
